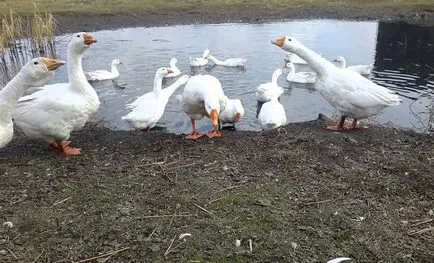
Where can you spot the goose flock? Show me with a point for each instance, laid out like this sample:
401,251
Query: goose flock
52,112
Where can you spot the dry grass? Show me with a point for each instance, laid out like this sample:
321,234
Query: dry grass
90,7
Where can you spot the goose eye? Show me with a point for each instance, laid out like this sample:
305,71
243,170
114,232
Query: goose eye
78,35
35,63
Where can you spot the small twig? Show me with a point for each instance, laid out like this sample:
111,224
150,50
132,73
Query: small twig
158,216
165,174
230,188
168,249
59,202
103,256
203,209
423,222
152,233
318,202
34,261
13,254
421,231
250,245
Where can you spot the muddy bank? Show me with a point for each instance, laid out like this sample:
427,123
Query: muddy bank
298,194
73,23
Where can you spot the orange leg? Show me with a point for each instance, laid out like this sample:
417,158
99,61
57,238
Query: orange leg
63,148
194,135
339,127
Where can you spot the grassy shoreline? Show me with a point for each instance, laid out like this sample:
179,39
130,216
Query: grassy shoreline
101,7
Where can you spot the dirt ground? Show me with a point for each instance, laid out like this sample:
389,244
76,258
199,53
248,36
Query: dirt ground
298,194
75,23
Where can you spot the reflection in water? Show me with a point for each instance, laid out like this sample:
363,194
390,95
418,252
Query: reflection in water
401,55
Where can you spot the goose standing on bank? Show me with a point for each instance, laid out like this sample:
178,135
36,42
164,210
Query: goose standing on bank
35,72
230,62
99,75
203,96
175,70
271,89
53,112
351,94
299,77
148,109
272,115
340,62
233,112
199,62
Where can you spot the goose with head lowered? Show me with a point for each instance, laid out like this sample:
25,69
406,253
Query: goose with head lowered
148,109
53,112
99,75
203,96
35,72
351,94
230,62
340,62
232,113
271,89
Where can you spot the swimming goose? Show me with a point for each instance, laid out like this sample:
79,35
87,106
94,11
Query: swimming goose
199,62
203,96
299,77
175,70
31,74
272,115
150,107
291,57
340,62
53,112
233,112
230,62
270,89
351,94
98,75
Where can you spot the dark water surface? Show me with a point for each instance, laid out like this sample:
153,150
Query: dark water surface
402,56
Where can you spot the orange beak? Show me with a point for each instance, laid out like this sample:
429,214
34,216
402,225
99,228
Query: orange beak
279,41
169,70
89,39
52,64
214,116
238,117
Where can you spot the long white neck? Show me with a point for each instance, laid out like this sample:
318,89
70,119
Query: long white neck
114,69
173,66
343,64
319,64
75,69
10,94
215,60
158,81
276,75
172,88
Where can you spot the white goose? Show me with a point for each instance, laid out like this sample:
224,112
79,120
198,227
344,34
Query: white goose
175,70
199,62
270,89
293,58
98,75
299,77
351,94
203,96
53,112
150,107
340,62
33,73
230,62
272,115
233,112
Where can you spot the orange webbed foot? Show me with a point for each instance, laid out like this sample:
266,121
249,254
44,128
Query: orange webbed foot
214,134
71,151
336,128
194,136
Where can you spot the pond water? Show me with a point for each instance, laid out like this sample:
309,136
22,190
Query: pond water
402,56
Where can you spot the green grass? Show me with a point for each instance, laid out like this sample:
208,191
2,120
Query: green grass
92,7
